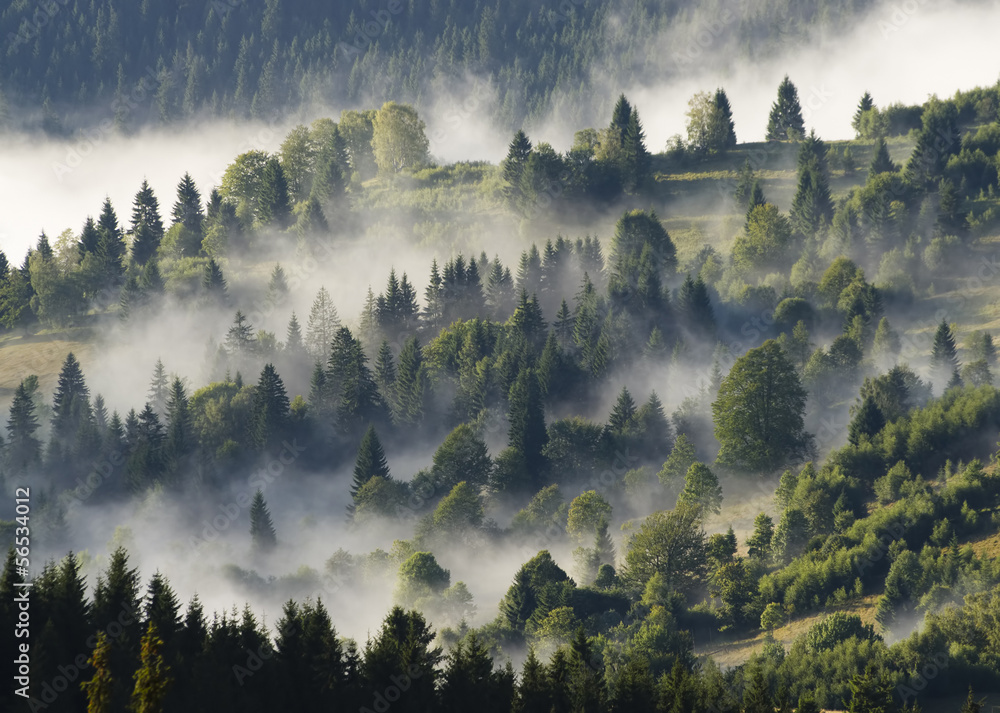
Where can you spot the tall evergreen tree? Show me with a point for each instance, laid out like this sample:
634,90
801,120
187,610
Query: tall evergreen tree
944,355
370,461
881,162
262,535
147,226
214,282
23,449
158,388
866,104
270,411
513,170
152,680
785,122
71,402
273,204
293,337
322,325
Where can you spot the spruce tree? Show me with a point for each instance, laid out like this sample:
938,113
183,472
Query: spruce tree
71,402
527,436
180,435
785,122
637,170
23,449
147,227
213,281
262,535
270,411
370,461
385,375
158,388
89,244
620,117
322,325
944,355
111,244
744,185
240,339
273,205
881,161
721,127
410,384
293,337
622,417
152,680
866,104
100,687
277,287
513,170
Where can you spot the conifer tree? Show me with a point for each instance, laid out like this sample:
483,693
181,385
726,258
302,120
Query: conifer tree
881,161
721,127
744,184
270,409
273,204
240,339
111,244
147,227
322,325
410,384
527,435
637,170
89,244
100,687
622,416
262,535
944,355
513,170
785,122
385,375
213,281
71,403
152,680
293,337
23,449
179,428
277,287
162,610
370,462
866,104
158,388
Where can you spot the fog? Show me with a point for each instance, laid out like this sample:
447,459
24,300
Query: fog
54,185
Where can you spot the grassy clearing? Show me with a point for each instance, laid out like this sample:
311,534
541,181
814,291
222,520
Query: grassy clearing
39,354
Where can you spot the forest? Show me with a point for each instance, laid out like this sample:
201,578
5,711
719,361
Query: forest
711,428
66,61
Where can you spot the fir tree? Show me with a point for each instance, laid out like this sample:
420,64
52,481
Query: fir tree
410,384
370,463
293,337
785,122
213,281
152,680
513,170
71,403
271,406
157,395
180,437
147,227
89,244
866,104
240,339
277,287
881,161
622,416
23,449
100,687
322,325
944,356
262,534
273,206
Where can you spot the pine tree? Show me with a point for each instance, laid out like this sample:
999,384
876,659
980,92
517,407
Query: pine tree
71,403
866,104
881,161
262,534
273,205
240,339
620,117
637,171
188,212
513,170
213,281
277,287
944,356
721,128
785,122
23,449
293,338
410,384
157,395
322,325
271,406
152,680
89,244
111,245
622,417
180,436
370,461
100,687
147,227
385,375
